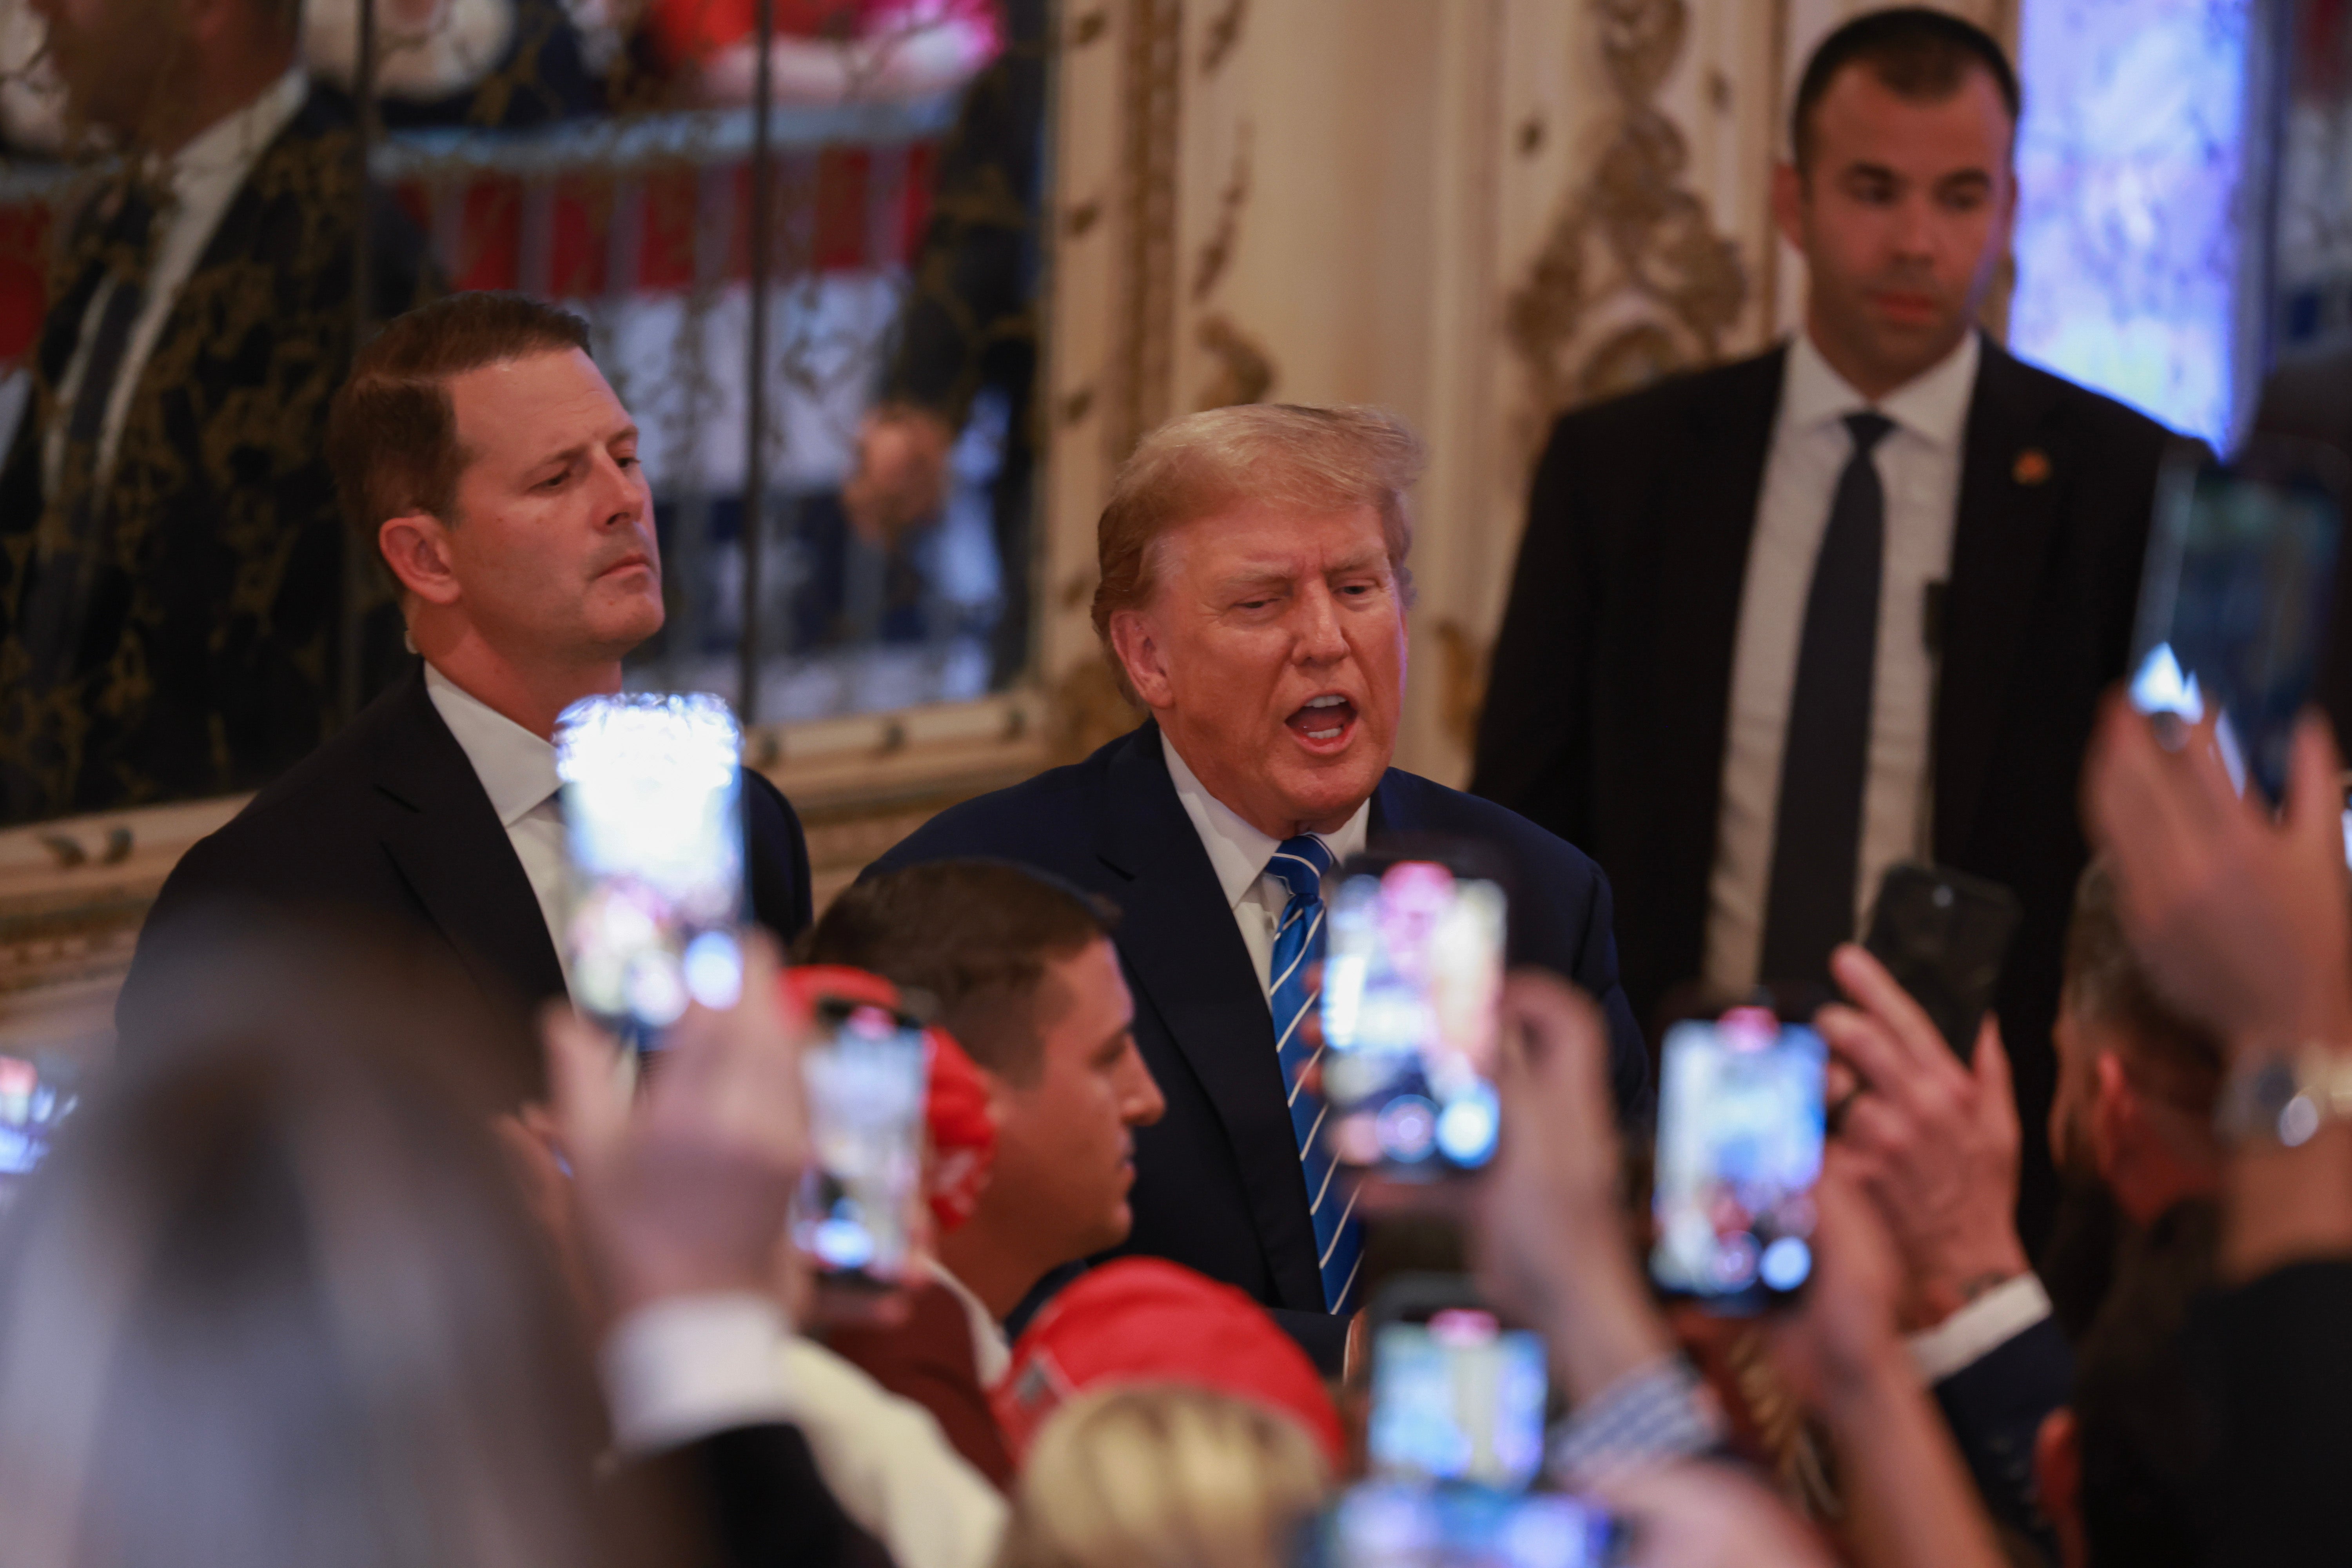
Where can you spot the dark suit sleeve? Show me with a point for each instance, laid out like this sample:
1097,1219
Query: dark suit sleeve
2275,1364
782,898
1532,729
1321,1335
1596,972
1995,1406
758,1493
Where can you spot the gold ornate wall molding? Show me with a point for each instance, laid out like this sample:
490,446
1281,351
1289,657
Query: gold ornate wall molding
1634,281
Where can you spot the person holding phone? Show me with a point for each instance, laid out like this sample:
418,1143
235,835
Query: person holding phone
485,458
1252,600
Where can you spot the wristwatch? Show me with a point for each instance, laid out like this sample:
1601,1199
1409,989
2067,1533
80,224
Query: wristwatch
2285,1099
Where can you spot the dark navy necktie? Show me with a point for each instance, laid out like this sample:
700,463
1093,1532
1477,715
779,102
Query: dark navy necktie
1825,760
1300,864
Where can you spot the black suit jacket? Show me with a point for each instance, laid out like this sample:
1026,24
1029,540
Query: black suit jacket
2274,1367
1217,1183
1606,714
1995,1406
210,657
390,820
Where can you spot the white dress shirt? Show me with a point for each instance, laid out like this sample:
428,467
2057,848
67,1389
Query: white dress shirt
517,773
1979,1329
684,1369
203,178
1239,853
992,1352
1919,465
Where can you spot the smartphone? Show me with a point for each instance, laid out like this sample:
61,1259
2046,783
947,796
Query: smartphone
1455,1395
867,1075
2237,594
1412,970
1739,1152
1395,1524
653,819
1943,934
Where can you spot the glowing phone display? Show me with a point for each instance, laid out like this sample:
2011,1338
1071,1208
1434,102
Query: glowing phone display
654,834
1413,970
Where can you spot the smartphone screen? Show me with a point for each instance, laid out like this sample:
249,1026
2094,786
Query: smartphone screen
1739,1149
1412,969
1392,1524
867,1077
36,1095
653,836
2236,598
1458,1397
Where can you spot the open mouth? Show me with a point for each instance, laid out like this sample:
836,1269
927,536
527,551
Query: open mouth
1323,721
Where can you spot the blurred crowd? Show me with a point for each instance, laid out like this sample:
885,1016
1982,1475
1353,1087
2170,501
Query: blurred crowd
1228,1149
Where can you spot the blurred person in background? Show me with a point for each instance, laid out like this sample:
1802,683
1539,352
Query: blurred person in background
2240,918
1023,973
173,582
276,1299
1554,1251
481,451
964,349
1935,1143
1164,1474
2120,1468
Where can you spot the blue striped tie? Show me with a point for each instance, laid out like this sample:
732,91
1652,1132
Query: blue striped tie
1300,863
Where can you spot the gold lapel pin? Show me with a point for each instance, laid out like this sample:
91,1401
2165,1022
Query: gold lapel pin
2032,467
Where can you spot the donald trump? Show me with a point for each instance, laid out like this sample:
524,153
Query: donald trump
1252,599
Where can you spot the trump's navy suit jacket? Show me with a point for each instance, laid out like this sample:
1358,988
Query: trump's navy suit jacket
1218,1187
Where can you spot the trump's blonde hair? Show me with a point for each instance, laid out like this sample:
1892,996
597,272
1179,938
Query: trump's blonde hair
1158,1475
1308,459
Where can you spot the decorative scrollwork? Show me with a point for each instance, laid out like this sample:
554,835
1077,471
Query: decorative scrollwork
1630,241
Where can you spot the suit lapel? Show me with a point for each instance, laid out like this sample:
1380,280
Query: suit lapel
455,854
1186,956
2013,476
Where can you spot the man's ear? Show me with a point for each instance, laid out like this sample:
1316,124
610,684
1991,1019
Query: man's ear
2115,1105
1788,202
1142,655
415,546
2058,1478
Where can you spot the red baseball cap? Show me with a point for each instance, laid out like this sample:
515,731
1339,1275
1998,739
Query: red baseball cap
1146,1320
962,1127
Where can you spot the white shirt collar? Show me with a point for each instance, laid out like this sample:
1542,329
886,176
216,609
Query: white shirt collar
222,152
1933,405
516,767
1238,851
992,1354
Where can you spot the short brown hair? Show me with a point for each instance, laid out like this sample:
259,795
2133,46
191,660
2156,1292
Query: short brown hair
2168,1056
1310,459
976,936
392,432
1915,52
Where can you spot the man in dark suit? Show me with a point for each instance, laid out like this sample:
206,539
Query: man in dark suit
480,447
1780,625
173,582
1253,597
